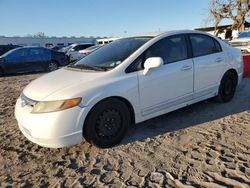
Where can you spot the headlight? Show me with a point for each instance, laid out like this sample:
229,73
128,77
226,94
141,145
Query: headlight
52,106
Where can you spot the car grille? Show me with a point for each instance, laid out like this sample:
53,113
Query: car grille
27,101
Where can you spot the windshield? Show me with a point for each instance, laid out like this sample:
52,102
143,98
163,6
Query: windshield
244,34
112,54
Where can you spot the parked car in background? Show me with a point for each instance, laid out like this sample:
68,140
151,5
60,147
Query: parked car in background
57,48
226,41
75,48
83,53
242,42
6,48
31,59
124,82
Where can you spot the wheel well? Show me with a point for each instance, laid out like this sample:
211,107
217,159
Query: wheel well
234,72
130,107
125,101
55,61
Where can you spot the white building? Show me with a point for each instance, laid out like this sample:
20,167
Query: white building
48,41
224,31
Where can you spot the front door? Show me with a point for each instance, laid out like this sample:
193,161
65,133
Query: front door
172,83
16,61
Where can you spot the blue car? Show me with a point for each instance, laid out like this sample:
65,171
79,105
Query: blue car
31,59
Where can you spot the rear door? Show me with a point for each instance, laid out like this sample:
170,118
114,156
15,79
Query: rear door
209,64
83,46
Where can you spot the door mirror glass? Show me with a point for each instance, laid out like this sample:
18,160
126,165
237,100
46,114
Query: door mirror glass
152,62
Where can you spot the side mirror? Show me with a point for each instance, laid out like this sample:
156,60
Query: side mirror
152,62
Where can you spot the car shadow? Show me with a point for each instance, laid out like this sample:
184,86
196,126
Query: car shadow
24,74
192,115
28,73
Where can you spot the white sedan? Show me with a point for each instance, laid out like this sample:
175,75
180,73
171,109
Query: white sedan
125,82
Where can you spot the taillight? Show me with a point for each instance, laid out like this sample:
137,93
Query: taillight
87,53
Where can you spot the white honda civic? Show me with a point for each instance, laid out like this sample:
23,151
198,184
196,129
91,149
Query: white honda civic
125,82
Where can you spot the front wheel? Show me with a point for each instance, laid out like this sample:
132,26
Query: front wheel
52,66
227,87
1,72
107,123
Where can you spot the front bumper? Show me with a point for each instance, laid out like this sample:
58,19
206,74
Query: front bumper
54,129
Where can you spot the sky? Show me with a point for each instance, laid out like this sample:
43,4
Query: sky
100,17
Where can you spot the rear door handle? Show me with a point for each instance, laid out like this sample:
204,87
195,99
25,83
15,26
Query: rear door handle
186,67
218,60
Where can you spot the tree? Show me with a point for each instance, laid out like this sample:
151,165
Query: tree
39,35
235,10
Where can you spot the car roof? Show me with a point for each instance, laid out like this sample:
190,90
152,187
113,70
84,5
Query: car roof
34,47
170,32
85,43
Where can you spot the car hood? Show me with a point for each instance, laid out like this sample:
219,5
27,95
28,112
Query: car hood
1,59
57,81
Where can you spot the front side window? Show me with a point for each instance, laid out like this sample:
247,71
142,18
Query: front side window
204,45
170,49
17,55
112,54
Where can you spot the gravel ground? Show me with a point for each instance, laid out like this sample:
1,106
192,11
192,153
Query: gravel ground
203,145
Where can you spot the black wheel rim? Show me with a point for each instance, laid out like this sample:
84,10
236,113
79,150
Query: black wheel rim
52,66
108,124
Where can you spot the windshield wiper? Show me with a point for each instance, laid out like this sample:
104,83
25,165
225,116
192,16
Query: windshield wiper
84,66
104,68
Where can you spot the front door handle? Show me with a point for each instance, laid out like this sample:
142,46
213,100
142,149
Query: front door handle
186,67
218,60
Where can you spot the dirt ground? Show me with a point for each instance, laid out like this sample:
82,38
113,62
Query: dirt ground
203,145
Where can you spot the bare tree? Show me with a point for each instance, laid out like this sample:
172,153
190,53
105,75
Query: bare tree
39,35
235,10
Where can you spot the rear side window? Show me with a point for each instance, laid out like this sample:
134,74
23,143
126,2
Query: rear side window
36,51
204,45
82,47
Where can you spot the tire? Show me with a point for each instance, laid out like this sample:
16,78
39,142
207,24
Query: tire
227,87
107,123
1,72
52,66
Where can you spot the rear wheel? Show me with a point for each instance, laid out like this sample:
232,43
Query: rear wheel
52,66
227,87
107,123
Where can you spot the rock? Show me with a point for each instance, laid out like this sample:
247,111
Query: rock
156,177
